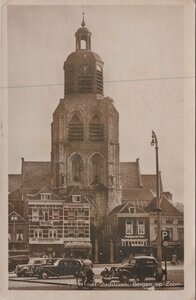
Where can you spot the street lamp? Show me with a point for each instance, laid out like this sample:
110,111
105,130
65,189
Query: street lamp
154,142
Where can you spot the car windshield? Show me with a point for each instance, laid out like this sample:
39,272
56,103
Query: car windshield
39,261
32,260
129,261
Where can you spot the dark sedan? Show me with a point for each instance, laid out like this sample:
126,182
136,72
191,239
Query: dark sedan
61,267
137,268
27,270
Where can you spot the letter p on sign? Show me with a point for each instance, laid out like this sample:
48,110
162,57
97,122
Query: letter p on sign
164,235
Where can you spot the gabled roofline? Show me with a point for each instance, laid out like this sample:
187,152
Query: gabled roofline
14,212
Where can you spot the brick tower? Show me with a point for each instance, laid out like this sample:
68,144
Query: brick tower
85,135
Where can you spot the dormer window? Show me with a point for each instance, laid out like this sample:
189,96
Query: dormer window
45,196
76,198
14,218
132,210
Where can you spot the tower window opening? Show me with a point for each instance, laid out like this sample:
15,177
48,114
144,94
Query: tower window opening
83,44
97,169
84,84
77,169
96,129
99,79
76,129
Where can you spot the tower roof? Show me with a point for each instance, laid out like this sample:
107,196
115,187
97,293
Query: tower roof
83,29
83,68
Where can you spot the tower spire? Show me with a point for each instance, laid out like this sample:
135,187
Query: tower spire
83,22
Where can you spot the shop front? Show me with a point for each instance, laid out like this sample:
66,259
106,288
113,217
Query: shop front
78,250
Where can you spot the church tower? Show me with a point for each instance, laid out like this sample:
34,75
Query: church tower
85,137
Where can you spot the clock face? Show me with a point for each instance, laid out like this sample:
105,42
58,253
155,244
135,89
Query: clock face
84,69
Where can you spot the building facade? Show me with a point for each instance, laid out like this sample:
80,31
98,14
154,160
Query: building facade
127,228
58,225
172,220
17,234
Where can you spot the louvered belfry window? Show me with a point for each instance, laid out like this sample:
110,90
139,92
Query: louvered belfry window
76,129
96,129
99,80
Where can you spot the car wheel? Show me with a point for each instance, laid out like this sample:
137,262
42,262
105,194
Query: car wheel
44,275
124,278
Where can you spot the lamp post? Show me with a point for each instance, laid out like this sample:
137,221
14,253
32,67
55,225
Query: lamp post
154,142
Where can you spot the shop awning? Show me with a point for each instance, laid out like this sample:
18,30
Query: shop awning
78,245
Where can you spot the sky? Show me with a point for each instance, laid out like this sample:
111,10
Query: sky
143,52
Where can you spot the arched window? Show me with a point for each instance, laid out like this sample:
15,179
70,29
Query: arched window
76,128
97,169
83,44
76,168
96,129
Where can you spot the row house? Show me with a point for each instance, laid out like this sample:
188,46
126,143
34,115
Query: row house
17,234
57,225
132,230
126,231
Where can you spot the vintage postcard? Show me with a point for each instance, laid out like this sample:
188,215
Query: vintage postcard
97,149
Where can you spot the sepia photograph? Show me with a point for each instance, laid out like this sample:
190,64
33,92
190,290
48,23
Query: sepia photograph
100,148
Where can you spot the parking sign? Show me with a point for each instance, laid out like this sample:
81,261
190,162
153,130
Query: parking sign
164,235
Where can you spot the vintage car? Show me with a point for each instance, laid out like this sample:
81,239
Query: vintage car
61,267
27,270
137,268
14,260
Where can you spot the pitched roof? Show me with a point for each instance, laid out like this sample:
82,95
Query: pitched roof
14,196
37,195
124,208
19,219
137,194
129,173
35,175
85,196
116,209
149,181
14,182
166,206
